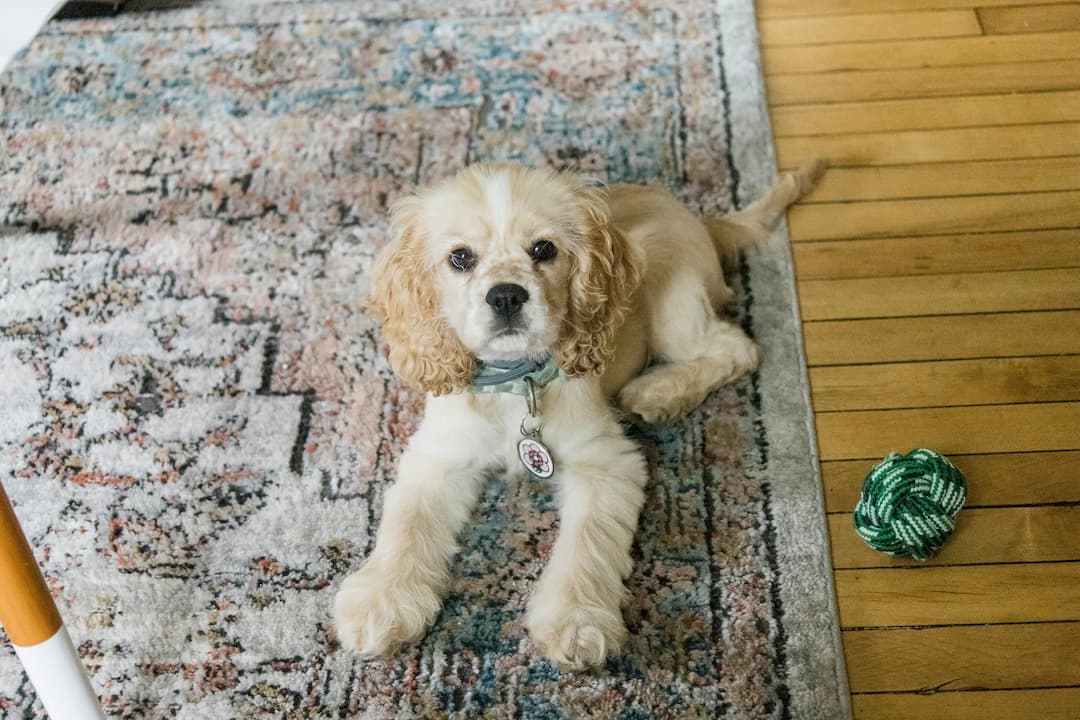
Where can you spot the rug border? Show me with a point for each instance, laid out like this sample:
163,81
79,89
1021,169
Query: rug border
816,676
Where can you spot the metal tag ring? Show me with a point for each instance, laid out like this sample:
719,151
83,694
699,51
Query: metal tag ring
530,395
534,433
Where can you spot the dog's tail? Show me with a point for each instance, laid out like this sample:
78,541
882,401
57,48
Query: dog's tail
751,226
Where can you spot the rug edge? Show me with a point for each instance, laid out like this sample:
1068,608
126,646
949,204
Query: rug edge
809,654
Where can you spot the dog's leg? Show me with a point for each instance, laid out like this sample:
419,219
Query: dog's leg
672,390
702,352
575,615
396,595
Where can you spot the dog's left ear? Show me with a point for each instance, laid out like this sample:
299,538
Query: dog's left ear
605,271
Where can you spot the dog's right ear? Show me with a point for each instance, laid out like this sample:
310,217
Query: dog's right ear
424,351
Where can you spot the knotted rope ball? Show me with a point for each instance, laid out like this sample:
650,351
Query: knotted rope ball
909,504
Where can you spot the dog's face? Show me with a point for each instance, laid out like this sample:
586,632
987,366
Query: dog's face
501,263
500,244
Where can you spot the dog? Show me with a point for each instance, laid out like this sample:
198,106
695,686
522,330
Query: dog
532,307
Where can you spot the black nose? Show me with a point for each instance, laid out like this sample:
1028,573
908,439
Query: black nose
506,299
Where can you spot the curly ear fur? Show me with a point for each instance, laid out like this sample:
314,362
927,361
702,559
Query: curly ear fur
603,279
424,351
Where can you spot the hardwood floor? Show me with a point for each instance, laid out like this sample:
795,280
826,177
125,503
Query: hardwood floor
938,269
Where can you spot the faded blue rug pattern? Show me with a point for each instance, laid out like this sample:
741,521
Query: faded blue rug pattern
198,425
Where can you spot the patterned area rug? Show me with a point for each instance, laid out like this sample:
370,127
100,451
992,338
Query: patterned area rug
198,427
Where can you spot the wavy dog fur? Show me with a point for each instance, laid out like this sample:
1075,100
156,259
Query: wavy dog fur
604,280
423,350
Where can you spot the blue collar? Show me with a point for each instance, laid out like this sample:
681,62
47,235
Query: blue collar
510,376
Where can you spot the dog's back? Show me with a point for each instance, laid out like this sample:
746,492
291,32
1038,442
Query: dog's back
674,317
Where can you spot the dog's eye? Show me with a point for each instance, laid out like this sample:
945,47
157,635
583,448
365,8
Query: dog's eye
462,259
543,250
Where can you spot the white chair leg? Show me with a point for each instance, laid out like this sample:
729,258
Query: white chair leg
36,631
59,678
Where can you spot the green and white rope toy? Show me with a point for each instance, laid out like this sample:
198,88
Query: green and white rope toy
909,504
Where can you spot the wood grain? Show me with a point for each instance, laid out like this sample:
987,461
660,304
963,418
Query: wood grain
942,338
800,8
959,293
1040,704
1030,18
870,26
1000,479
935,216
989,177
983,536
958,658
945,382
893,83
938,263
976,50
1037,592
925,113
936,254
928,146
949,430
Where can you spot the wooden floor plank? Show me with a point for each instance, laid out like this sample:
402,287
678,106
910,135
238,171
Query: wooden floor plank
801,8
925,113
1026,592
935,254
945,382
976,50
948,179
891,84
941,338
958,658
1041,704
931,146
935,216
950,430
940,294
983,536
1000,479
939,263
1030,18
871,26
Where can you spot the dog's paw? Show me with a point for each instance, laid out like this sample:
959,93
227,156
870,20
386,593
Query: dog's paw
376,612
658,397
745,356
578,636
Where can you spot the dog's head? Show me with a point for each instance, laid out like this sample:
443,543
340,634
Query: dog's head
500,263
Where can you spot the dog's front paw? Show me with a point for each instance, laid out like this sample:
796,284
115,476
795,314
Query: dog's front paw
376,611
575,637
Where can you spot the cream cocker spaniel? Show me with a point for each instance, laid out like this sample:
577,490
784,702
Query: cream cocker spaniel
526,303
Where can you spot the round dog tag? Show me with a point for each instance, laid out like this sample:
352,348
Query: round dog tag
535,457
